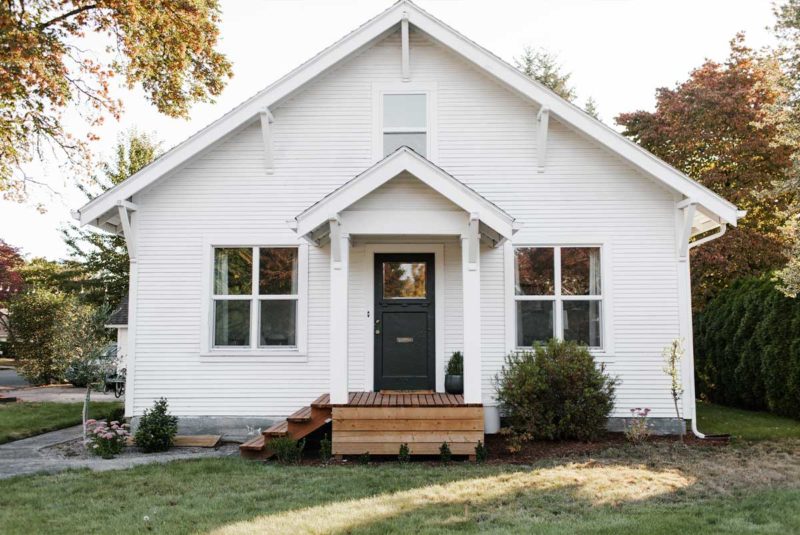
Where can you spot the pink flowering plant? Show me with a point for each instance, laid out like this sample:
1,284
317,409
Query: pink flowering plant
106,439
637,429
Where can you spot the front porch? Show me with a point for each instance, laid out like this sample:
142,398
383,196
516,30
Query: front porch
379,423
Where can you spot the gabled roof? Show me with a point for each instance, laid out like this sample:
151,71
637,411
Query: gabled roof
405,159
718,208
119,316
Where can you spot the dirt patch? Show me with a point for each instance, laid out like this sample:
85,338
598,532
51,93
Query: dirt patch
74,449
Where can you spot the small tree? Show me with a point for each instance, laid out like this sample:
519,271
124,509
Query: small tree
673,354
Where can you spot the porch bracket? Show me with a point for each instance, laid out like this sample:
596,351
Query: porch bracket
473,237
266,135
406,67
543,120
124,208
689,210
336,241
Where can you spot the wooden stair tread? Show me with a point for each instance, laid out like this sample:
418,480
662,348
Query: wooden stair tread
254,444
277,430
301,416
322,402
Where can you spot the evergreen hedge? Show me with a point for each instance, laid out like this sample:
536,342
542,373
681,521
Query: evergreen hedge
747,348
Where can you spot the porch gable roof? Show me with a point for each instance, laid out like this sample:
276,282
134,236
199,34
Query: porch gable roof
401,160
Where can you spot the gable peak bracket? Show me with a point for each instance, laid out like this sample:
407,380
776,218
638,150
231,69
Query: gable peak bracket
543,120
267,119
405,46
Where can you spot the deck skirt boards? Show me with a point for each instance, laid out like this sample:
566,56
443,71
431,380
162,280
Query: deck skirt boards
378,423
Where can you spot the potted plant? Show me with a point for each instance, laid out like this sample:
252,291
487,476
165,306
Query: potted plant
454,374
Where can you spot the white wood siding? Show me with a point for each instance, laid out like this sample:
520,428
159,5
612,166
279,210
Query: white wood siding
323,137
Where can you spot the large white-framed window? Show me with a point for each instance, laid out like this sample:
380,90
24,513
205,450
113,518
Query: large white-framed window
256,300
559,293
405,115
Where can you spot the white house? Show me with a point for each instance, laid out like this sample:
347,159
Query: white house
400,196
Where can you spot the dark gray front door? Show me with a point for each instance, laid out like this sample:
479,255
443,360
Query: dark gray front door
404,322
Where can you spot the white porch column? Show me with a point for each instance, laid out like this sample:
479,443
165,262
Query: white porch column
340,269
471,284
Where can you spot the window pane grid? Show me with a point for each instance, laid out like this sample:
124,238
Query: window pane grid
576,311
244,320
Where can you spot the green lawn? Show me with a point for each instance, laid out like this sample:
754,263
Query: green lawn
657,489
25,419
746,425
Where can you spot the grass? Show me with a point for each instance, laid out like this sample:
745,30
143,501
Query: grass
659,488
745,425
25,419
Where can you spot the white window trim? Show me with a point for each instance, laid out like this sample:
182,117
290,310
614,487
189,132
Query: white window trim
405,88
606,297
298,353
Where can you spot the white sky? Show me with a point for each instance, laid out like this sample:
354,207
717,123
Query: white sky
619,52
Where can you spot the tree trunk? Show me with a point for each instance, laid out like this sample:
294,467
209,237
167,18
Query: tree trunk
86,410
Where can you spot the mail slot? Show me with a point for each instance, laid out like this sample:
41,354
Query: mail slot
405,340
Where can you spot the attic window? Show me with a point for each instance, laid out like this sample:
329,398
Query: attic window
405,122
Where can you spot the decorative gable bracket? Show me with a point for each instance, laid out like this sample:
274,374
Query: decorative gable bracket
266,134
543,119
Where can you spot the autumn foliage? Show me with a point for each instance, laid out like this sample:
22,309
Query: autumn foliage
716,127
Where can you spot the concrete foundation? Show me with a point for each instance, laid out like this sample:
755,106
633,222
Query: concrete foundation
232,427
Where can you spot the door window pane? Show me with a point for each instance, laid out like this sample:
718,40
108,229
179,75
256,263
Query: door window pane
534,272
278,323
582,322
231,323
534,322
404,111
404,280
277,271
580,271
233,271
416,141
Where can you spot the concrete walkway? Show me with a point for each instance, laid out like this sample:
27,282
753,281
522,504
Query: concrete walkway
9,378
59,394
36,454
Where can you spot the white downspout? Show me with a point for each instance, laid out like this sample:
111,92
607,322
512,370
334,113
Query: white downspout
722,229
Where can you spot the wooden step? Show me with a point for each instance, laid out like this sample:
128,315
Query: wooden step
254,448
281,429
300,417
322,402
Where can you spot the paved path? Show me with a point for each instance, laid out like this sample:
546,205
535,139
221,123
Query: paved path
10,378
32,455
59,394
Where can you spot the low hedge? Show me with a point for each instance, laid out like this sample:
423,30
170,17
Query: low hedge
747,348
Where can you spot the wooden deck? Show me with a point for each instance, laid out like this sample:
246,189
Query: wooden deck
379,422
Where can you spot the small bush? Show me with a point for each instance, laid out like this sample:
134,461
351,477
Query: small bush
364,458
637,428
444,453
405,455
554,392
107,439
481,453
287,450
157,428
455,366
325,449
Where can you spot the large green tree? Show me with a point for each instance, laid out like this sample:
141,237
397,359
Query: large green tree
49,64
787,118
100,258
716,128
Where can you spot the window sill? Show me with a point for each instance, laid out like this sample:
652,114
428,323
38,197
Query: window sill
253,355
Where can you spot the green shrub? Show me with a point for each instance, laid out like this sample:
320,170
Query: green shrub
444,453
747,348
455,366
157,428
49,330
405,454
481,453
325,449
116,414
555,391
287,450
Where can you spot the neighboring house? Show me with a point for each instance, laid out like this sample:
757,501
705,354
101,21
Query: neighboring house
402,195
119,320
3,326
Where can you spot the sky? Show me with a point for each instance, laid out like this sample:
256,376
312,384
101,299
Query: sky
618,51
